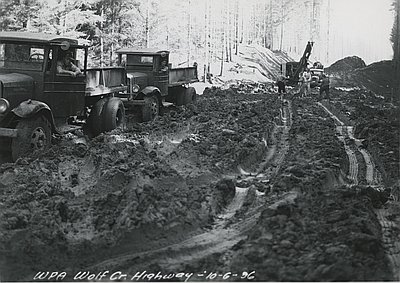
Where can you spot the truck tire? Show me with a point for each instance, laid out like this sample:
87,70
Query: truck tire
95,120
114,114
33,135
190,95
180,96
151,108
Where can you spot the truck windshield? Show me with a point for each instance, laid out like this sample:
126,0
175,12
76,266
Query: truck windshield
21,56
140,60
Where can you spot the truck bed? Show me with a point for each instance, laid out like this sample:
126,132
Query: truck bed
180,76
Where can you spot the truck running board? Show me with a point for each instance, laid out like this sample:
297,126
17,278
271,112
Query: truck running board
9,133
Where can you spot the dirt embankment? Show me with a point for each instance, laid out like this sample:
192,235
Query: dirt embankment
378,78
346,65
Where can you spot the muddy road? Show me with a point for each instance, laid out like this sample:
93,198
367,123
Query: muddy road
242,186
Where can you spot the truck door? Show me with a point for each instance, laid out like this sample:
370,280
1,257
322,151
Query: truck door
161,73
64,93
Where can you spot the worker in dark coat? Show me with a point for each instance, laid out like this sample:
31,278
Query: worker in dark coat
324,86
281,84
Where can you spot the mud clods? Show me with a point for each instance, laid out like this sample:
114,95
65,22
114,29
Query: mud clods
131,190
327,232
228,185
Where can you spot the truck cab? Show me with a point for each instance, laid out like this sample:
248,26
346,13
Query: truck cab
146,67
28,64
36,100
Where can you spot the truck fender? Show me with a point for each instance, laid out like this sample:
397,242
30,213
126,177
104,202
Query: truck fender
29,108
150,90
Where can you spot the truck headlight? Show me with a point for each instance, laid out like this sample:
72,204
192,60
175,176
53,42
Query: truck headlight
4,105
135,88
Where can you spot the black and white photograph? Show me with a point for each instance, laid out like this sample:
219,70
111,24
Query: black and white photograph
199,140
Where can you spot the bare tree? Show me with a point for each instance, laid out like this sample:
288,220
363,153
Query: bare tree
147,24
236,26
189,32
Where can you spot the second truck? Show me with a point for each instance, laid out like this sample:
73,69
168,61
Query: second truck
153,82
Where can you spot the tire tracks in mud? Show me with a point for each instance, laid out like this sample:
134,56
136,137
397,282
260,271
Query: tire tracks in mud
278,150
372,178
228,229
353,147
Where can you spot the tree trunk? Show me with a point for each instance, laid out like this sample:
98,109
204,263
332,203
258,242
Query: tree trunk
206,59
222,61
227,31
223,41
270,33
101,38
328,30
236,26
396,49
282,21
189,33
230,32
242,29
147,24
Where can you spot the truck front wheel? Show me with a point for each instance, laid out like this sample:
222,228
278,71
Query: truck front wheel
33,134
95,120
114,114
150,109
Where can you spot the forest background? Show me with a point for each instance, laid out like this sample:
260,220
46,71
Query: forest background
209,31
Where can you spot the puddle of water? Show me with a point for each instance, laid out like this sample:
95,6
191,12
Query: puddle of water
265,142
242,171
258,193
121,139
175,141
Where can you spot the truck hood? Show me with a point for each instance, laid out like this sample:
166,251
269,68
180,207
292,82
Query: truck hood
15,80
138,75
138,78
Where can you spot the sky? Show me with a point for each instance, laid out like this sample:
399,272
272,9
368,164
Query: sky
361,28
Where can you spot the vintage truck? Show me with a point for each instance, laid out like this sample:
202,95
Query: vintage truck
153,83
36,102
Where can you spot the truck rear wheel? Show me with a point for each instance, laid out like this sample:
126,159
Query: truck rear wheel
180,96
33,135
95,120
190,95
150,109
114,114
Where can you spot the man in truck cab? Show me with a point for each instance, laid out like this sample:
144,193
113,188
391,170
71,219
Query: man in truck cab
65,65
163,66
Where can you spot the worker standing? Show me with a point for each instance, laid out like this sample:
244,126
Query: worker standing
306,80
281,85
324,87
